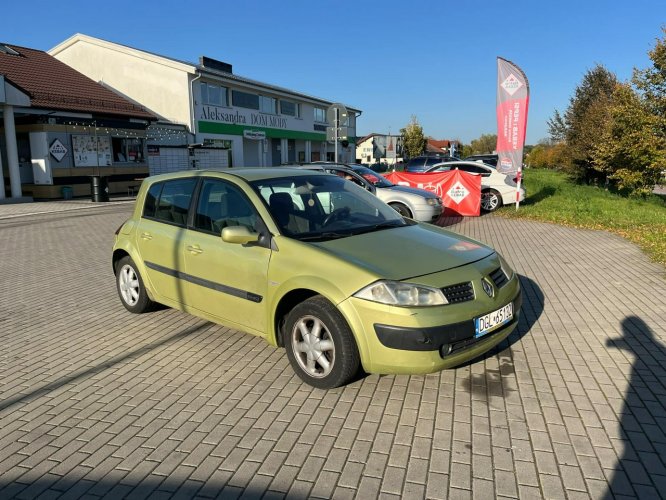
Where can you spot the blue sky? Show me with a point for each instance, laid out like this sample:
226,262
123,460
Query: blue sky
392,59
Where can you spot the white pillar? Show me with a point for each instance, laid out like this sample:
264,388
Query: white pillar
12,151
284,151
2,180
308,151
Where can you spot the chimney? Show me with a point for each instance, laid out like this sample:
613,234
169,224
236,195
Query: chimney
209,63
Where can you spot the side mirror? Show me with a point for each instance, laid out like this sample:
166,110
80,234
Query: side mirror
239,234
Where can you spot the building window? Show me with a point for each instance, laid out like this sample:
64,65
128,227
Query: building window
320,115
128,150
213,95
290,108
267,105
245,100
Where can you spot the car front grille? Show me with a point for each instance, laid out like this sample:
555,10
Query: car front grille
499,278
462,292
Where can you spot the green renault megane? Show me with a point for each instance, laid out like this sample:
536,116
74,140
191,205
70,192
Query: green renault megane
317,265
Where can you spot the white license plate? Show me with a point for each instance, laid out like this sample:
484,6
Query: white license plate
491,321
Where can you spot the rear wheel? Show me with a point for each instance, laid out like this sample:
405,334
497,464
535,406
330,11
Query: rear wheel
490,200
401,209
320,345
130,287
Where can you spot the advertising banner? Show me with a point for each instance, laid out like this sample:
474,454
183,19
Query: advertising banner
460,191
512,102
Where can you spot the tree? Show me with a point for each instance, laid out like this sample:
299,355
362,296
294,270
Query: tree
557,127
484,144
584,118
651,82
413,140
632,143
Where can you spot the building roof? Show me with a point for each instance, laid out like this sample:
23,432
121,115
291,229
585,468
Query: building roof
51,84
187,66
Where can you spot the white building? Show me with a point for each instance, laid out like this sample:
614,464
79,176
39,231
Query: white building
229,120
379,148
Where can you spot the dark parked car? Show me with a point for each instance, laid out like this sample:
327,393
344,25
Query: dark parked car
487,159
421,163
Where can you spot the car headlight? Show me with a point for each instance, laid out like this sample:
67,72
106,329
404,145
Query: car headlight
432,201
397,293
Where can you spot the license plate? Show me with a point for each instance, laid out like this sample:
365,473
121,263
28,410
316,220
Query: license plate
491,321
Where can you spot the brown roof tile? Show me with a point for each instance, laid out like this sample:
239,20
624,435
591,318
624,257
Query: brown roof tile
52,84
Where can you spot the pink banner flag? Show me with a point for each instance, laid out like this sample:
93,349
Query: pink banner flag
513,95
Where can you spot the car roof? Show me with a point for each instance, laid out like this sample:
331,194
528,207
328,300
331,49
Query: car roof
459,163
247,173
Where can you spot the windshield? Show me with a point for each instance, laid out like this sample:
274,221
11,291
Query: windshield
320,207
372,177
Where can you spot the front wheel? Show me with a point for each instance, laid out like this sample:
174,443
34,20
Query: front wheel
401,209
130,287
320,346
490,200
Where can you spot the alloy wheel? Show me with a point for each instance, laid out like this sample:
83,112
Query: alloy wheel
313,346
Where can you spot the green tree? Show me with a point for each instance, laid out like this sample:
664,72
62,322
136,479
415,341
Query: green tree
557,127
629,149
586,115
413,140
466,151
484,144
651,82
632,143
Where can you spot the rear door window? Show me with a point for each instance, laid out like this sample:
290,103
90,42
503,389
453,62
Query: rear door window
170,201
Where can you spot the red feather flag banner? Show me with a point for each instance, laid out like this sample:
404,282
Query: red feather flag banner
513,97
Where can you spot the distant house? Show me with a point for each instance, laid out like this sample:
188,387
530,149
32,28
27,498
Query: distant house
61,127
443,147
379,148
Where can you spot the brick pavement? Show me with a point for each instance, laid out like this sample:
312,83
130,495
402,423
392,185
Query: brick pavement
96,402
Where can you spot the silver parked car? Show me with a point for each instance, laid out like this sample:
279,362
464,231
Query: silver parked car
415,203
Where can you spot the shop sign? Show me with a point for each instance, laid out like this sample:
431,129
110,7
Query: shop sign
234,117
254,135
58,150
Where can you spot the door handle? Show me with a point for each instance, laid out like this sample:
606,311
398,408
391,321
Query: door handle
146,236
195,249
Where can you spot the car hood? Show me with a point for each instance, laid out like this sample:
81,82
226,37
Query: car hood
411,190
407,252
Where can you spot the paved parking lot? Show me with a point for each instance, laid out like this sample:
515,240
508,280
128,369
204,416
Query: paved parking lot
96,402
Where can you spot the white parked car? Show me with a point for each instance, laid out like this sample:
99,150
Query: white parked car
415,203
497,189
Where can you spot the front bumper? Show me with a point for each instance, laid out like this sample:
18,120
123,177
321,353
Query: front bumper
427,213
428,339
446,339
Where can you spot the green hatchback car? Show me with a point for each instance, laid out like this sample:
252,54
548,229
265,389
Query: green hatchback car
317,265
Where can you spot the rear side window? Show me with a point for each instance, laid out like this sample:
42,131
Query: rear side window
170,201
151,200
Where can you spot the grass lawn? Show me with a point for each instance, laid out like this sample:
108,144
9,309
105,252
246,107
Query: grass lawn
551,197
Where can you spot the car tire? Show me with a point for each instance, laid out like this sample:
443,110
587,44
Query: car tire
131,290
401,209
320,345
490,200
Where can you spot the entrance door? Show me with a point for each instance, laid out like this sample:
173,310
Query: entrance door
291,151
276,157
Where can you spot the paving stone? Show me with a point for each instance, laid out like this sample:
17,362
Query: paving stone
569,406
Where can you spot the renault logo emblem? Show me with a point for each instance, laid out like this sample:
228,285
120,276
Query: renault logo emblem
488,287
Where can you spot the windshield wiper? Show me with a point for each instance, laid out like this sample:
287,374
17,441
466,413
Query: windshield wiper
382,225
325,236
